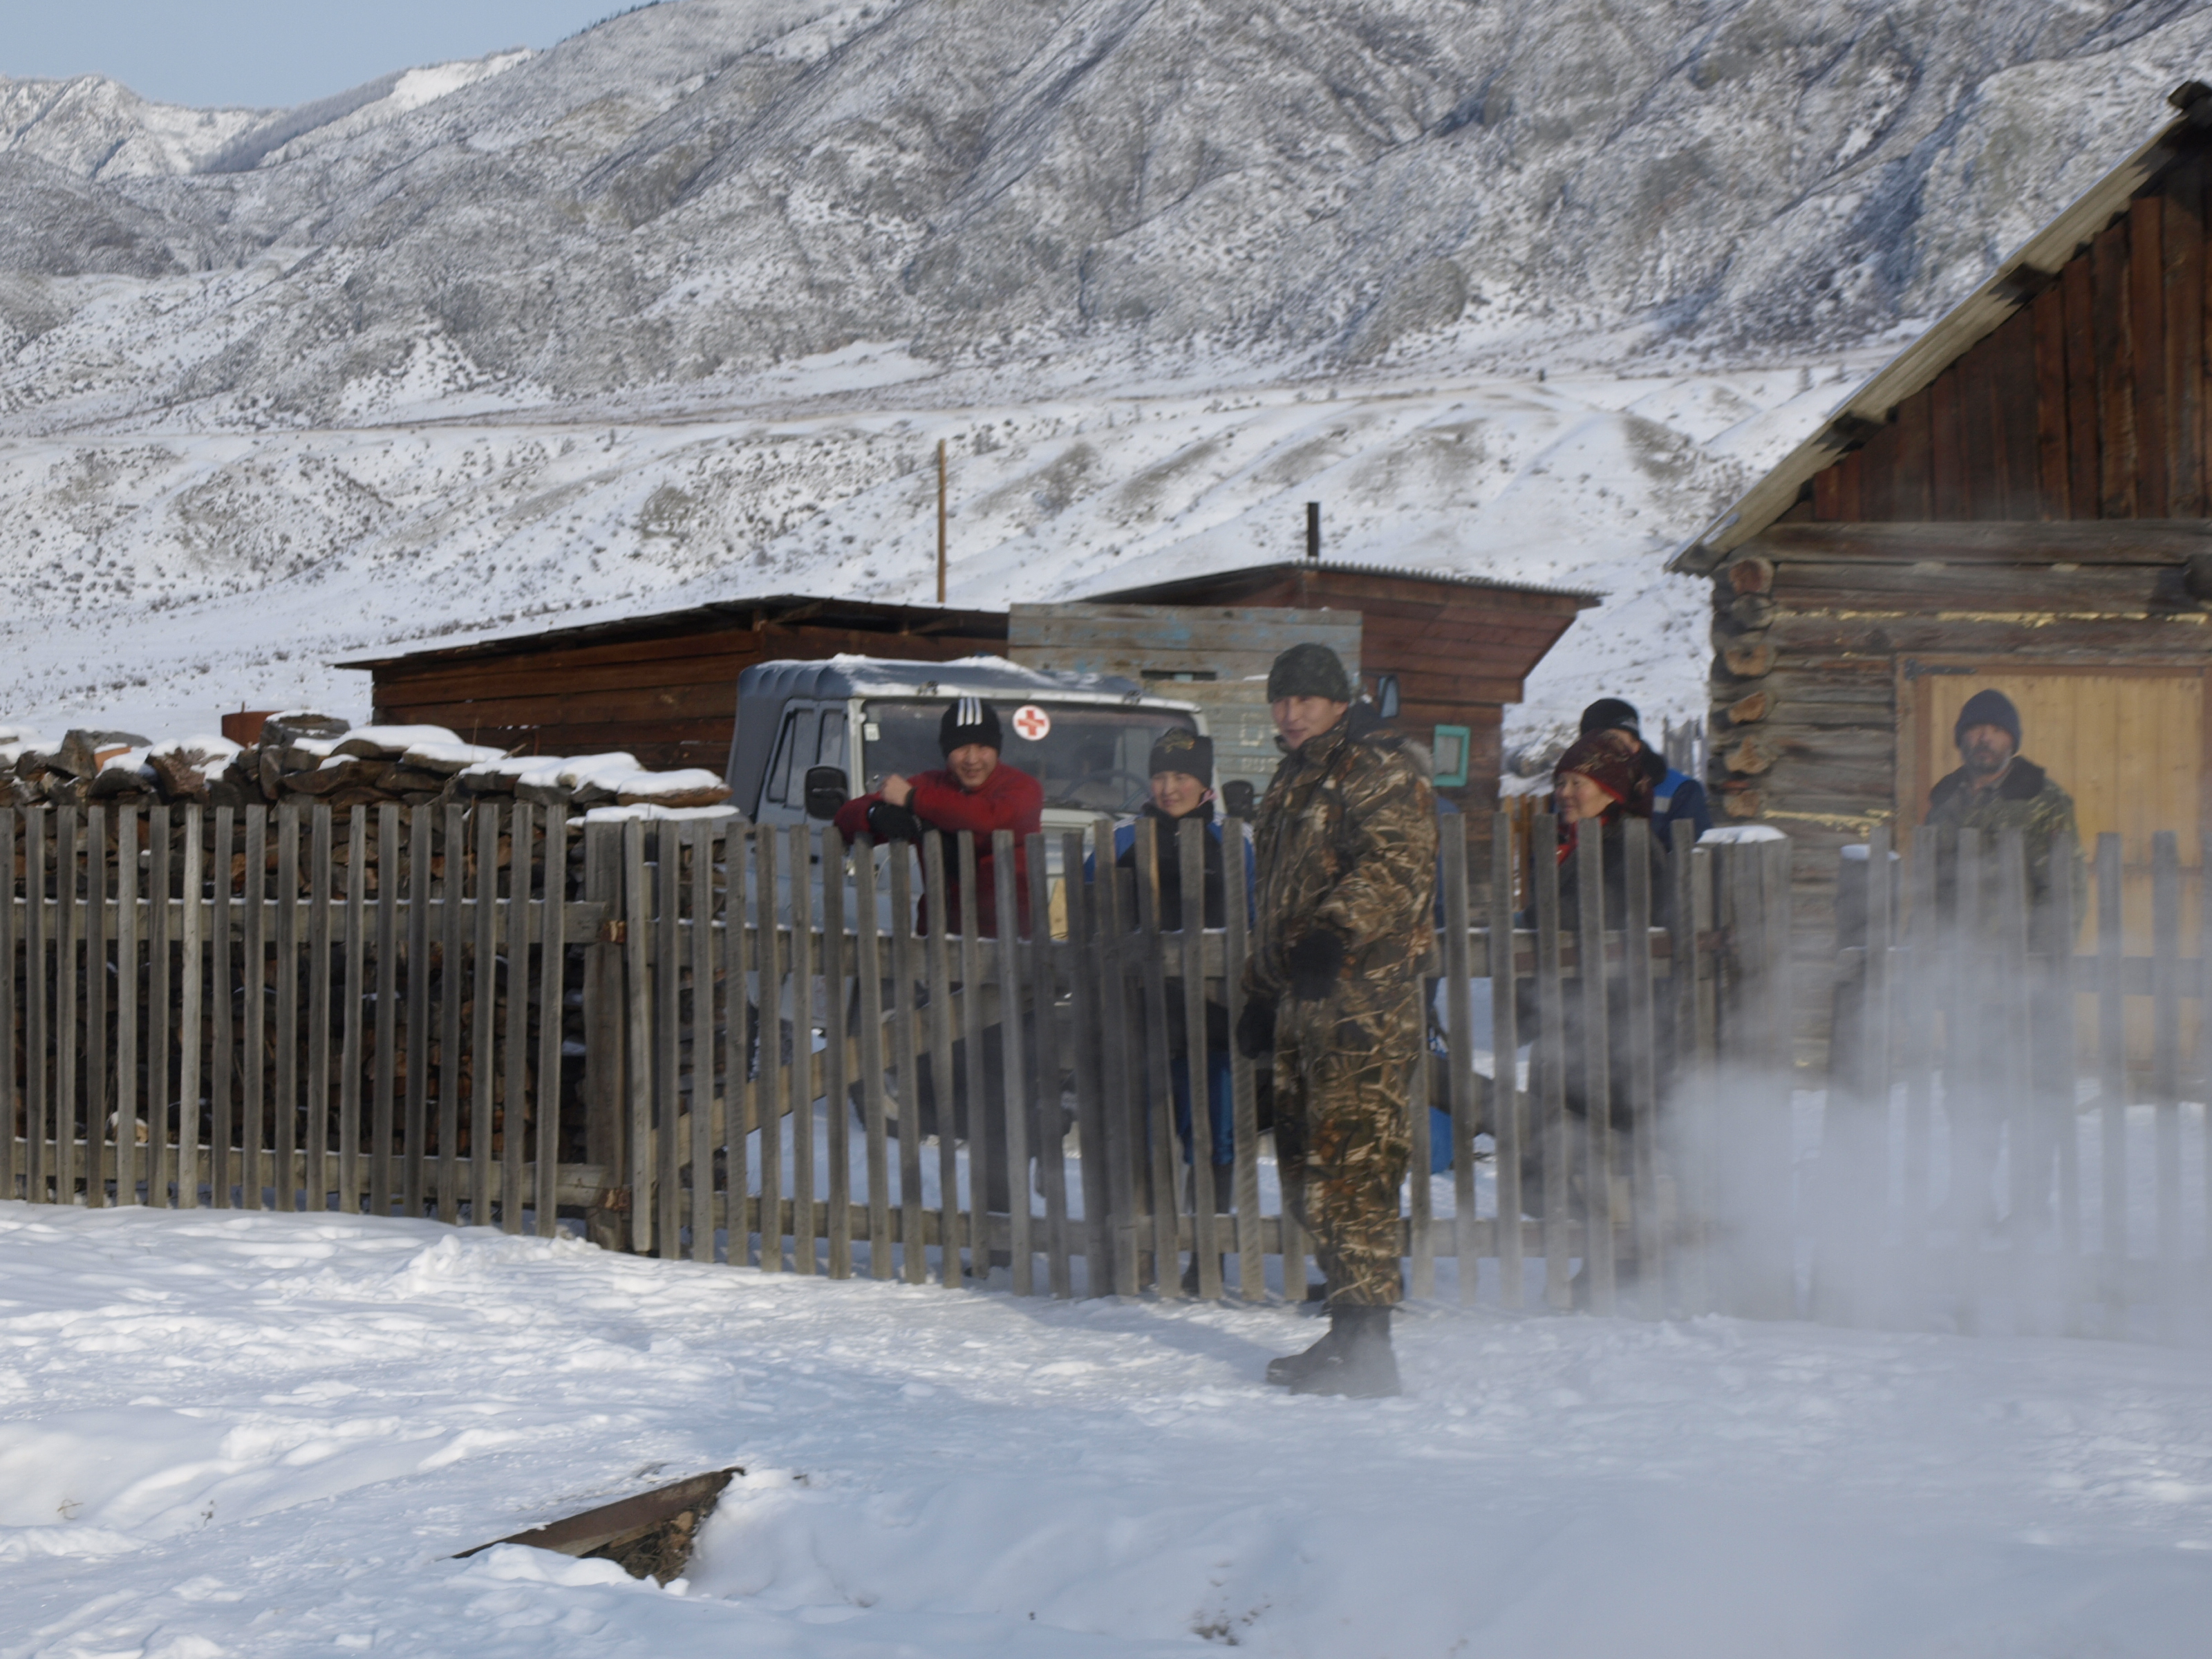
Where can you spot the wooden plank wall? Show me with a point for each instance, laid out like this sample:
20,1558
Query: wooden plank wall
670,700
1460,652
1232,646
2088,403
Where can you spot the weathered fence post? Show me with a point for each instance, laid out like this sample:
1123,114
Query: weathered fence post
836,1082
802,1066
1236,945
12,1100
1550,1057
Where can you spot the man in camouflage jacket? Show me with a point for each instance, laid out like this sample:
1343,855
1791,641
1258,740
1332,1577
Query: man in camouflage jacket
1345,846
1998,789
1995,790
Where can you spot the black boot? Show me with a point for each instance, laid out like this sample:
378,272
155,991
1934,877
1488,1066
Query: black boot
1359,1364
1286,1372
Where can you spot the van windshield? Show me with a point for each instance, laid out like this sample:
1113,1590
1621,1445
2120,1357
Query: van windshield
1092,759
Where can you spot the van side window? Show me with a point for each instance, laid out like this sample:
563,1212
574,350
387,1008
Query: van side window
833,739
781,764
791,762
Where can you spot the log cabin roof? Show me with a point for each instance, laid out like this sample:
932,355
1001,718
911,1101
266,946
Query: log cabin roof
2018,281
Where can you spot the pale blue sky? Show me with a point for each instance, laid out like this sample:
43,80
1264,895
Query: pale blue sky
269,52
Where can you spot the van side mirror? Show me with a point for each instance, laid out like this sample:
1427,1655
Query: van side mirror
826,790
1236,796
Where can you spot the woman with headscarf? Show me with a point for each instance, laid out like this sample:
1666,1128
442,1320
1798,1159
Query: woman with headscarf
1600,780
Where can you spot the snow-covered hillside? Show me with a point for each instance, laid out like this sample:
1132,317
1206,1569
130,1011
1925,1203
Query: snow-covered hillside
678,307
206,572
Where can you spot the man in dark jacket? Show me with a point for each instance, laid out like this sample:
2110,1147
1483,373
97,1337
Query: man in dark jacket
1676,797
1997,789
1182,774
973,792
1346,850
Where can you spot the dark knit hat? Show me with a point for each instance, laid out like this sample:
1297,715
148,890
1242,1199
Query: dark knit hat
968,719
1181,750
1987,706
1308,669
1613,715
1609,760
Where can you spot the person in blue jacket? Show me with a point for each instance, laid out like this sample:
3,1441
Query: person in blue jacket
1181,768
1676,797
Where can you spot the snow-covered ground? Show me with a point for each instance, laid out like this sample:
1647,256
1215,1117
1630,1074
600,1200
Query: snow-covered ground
252,1434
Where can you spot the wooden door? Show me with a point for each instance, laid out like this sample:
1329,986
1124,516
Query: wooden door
2128,745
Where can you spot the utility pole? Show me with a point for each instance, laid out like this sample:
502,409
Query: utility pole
940,521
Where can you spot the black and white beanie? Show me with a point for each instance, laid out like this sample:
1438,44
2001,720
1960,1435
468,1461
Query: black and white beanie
968,719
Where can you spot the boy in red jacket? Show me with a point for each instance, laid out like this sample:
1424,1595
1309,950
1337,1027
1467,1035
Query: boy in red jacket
973,792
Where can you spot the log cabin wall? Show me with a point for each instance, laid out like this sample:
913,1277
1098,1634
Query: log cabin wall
663,688
2041,502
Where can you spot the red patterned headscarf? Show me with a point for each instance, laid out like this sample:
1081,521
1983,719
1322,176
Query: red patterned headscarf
1611,760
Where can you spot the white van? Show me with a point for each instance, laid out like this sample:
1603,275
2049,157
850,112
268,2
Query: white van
810,735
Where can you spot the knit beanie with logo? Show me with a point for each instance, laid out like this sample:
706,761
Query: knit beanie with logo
968,719
1181,750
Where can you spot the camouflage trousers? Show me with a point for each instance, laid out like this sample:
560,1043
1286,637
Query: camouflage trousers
1343,1076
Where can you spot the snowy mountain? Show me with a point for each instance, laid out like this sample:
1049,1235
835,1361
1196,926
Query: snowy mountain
680,306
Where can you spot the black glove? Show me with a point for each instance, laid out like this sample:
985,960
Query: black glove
1255,1028
1314,963
887,822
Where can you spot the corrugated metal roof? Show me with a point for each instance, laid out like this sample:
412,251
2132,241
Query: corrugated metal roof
1337,567
982,623
2017,281
784,608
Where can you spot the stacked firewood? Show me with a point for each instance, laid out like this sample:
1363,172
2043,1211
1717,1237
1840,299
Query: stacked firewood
306,757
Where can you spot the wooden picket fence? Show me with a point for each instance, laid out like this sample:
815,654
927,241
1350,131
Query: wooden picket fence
250,1008
501,1016
1082,1018
2015,1133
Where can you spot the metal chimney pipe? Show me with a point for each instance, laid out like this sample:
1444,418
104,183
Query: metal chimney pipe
1313,532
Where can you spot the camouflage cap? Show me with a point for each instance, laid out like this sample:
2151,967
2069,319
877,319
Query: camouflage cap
1308,669
1181,750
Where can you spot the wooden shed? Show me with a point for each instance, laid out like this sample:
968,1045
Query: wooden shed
1215,656
2018,500
1461,646
663,687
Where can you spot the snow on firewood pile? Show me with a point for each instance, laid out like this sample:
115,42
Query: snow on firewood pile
307,757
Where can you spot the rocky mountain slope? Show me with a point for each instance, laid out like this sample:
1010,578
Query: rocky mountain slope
681,305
